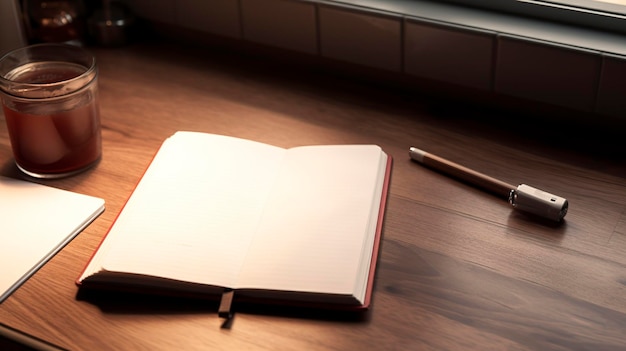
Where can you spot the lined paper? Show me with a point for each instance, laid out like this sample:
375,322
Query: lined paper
193,215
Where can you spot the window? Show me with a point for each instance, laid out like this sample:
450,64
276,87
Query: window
598,14
607,6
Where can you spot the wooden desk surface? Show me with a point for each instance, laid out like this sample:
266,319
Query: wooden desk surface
459,269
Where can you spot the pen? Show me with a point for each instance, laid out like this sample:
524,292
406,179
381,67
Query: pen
522,197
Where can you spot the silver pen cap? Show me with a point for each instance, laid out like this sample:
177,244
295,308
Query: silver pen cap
538,202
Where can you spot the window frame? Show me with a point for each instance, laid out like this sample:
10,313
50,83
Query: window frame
581,13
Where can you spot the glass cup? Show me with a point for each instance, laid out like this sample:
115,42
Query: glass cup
50,102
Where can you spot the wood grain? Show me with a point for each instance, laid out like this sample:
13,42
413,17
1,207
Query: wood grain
459,269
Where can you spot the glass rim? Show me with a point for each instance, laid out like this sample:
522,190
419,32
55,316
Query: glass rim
88,62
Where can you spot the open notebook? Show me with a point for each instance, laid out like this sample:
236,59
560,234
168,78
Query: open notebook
215,213
36,222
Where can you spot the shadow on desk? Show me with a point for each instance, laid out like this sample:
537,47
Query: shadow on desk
10,345
125,302
9,169
14,340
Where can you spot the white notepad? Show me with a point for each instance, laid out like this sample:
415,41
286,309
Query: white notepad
215,213
37,221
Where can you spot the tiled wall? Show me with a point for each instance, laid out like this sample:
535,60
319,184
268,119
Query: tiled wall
12,34
558,73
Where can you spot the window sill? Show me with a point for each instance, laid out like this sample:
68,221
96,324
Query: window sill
533,29
492,53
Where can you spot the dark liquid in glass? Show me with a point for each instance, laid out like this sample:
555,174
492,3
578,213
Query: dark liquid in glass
57,138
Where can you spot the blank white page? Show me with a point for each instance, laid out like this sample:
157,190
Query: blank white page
314,230
192,216
37,221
